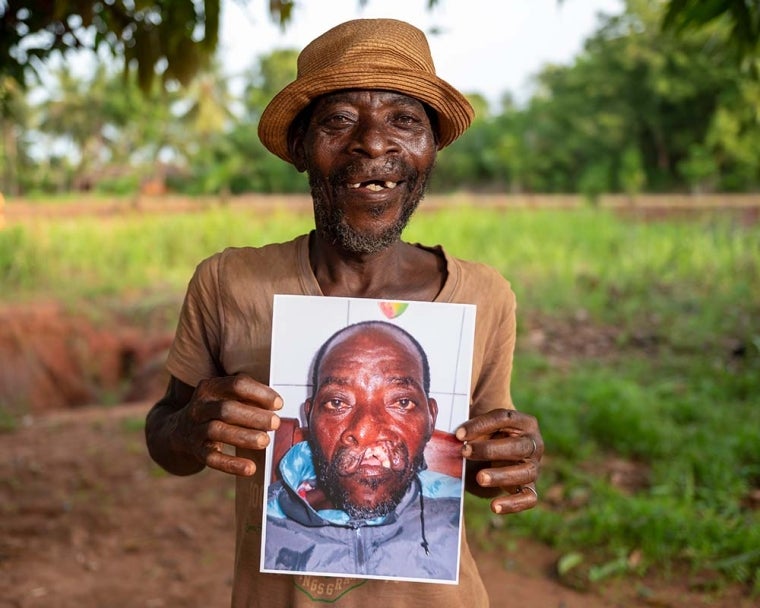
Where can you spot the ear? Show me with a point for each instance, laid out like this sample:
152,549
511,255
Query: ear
296,150
307,410
433,407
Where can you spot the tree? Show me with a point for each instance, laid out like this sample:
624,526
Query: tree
698,168
743,17
266,78
95,117
178,37
633,85
631,175
235,160
174,37
14,116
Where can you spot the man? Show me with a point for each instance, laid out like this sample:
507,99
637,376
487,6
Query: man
356,498
364,118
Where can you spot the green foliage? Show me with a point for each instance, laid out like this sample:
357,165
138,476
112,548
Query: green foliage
132,425
742,16
640,108
119,186
677,396
682,420
591,263
173,38
238,163
265,79
595,181
87,257
698,168
632,177
181,34
8,422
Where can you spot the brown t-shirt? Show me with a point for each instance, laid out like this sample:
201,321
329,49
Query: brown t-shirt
225,328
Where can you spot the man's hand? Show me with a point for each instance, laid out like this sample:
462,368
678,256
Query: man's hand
189,428
505,449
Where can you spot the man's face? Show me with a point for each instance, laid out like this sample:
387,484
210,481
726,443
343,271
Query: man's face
368,155
369,420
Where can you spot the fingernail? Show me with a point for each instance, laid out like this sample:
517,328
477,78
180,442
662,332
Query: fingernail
461,434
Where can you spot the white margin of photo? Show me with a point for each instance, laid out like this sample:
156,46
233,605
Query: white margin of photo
301,324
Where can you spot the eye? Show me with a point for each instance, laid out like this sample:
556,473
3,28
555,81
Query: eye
336,121
406,120
404,404
334,404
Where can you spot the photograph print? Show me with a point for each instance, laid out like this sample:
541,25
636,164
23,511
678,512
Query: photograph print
364,476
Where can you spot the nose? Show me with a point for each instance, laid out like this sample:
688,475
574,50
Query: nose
372,138
366,427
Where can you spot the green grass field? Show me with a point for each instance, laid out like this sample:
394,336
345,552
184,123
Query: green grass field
677,396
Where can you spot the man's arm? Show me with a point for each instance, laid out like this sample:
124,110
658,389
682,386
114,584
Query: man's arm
188,428
161,431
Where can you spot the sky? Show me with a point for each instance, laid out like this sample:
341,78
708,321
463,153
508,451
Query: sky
484,46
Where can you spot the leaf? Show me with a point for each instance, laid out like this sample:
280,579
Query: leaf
616,566
567,562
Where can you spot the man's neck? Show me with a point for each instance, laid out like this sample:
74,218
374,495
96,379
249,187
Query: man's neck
401,272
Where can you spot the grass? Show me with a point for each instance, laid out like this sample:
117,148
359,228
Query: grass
678,397
86,257
695,428
685,278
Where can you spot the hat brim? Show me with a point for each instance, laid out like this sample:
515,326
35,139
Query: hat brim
454,111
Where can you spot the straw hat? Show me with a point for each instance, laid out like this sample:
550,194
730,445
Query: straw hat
366,54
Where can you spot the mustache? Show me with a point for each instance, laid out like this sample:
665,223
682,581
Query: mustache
363,169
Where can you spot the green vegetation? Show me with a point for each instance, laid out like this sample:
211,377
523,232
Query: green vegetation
652,446
87,257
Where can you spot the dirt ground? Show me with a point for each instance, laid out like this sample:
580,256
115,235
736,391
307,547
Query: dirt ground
87,520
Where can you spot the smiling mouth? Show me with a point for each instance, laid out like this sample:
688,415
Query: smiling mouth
375,185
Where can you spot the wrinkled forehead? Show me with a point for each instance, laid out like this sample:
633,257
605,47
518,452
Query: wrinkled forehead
301,121
357,344
388,95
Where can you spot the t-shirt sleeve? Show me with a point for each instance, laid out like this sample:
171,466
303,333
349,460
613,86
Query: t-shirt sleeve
194,354
497,314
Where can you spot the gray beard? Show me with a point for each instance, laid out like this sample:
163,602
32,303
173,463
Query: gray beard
332,227
329,481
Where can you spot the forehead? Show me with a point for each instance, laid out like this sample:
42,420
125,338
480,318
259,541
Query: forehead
352,96
356,344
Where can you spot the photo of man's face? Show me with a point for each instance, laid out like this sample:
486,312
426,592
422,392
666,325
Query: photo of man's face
370,418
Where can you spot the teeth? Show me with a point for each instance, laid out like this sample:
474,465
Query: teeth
378,453
374,187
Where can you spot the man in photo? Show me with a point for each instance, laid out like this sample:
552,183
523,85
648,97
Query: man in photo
356,498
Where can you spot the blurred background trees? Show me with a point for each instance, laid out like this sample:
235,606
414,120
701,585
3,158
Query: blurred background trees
664,97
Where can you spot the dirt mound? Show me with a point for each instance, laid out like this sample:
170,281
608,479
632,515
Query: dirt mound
54,359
